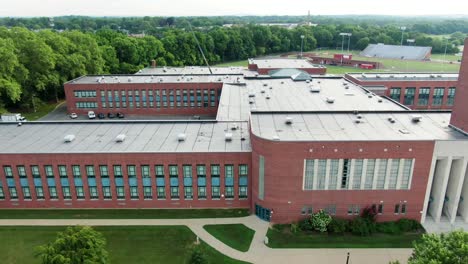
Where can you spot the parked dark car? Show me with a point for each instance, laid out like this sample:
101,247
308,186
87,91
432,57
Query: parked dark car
110,115
101,116
120,115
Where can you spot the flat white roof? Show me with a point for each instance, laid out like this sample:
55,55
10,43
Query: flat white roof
282,63
398,77
343,127
190,70
144,136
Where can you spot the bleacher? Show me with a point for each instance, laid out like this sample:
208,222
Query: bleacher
396,52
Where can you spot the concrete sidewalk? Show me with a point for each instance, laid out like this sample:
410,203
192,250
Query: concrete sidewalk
258,252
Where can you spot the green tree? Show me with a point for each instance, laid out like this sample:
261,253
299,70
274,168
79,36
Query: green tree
320,221
77,245
362,43
451,248
197,256
9,85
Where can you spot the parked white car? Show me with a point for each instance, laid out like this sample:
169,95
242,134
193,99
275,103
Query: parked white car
91,115
73,116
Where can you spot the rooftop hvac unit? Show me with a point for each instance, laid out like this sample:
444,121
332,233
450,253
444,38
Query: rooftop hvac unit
391,119
160,80
282,82
262,91
181,137
276,138
416,118
120,138
330,100
307,81
265,84
129,79
359,116
251,100
234,126
98,79
288,120
380,100
228,136
357,121
69,138
369,95
267,96
251,94
315,89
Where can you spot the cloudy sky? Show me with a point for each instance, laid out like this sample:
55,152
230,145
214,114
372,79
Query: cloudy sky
229,7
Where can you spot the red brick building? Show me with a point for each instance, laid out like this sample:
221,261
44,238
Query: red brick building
281,147
415,90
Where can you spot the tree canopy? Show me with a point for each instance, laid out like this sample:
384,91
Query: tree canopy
77,245
451,248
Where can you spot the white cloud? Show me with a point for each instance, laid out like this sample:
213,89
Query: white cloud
228,7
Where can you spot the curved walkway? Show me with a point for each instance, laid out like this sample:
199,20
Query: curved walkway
258,251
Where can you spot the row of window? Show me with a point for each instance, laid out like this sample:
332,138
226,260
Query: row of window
84,93
160,98
86,105
357,174
354,209
424,95
172,182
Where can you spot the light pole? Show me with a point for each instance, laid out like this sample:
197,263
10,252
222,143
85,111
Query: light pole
302,43
445,54
402,31
349,40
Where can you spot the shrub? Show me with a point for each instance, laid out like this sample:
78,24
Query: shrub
361,227
294,228
369,213
338,225
388,228
407,225
306,224
198,256
320,221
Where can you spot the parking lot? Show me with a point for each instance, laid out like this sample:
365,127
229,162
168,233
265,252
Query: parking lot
60,113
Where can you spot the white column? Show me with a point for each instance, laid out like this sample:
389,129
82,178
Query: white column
464,193
340,171
455,186
314,180
441,187
428,189
387,173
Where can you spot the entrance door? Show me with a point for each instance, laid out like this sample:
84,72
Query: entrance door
262,213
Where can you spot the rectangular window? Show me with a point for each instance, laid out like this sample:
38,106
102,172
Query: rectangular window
147,192
66,192
382,173
392,181
395,93
160,183
321,174
26,192
174,181
76,171
39,192
8,171
330,209
370,174
215,182
79,192
117,171
409,95
380,209
397,209
438,96
406,174
229,181
403,208
35,171
62,171
201,181
451,96
423,98
345,173
188,189
53,192
13,192
358,170
21,171
309,175
49,171
92,187
243,181
132,181
307,210
2,194
354,209
104,170
333,175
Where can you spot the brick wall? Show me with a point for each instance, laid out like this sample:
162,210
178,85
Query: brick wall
284,169
460,110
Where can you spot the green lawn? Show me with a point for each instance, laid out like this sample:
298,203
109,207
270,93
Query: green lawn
285,239
125,244
242,63
40,111
120,213
237,236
